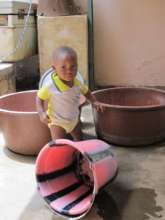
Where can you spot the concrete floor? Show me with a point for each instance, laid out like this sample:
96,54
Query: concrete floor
138,193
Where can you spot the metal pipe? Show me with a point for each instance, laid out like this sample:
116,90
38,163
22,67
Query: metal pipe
90,46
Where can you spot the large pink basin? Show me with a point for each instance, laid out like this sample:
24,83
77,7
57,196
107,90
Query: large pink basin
19,122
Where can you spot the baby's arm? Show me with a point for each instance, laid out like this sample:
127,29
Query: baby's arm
98,105
40,109
91,98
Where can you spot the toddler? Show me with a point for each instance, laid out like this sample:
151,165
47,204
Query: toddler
63,95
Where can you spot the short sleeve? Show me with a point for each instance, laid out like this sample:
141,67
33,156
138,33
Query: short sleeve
43,93
84,89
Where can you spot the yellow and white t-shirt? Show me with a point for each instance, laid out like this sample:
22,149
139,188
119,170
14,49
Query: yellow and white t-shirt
63,101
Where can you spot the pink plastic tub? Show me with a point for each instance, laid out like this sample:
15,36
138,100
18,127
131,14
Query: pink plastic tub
20,124
70,174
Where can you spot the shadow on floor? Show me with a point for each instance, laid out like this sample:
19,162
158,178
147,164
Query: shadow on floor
107,207
87,136
19,157
87,125
128,204
150,146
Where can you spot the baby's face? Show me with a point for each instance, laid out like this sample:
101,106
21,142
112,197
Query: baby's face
66,68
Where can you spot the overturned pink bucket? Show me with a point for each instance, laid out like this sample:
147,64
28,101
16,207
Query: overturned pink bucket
70,174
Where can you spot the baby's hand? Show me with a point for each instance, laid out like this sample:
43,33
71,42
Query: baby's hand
99,106
44,118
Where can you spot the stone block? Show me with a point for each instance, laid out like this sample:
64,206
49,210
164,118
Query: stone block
63,30
7,79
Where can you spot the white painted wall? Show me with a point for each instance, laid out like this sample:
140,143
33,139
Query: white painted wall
129,43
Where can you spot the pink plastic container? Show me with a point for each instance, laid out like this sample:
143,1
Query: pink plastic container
20,125
70,174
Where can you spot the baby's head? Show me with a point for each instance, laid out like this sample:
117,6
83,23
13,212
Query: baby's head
65,63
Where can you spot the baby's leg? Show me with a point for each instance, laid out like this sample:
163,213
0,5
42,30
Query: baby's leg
57,132
77,133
